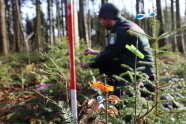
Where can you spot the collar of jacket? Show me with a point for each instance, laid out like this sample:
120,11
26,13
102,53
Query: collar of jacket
118,22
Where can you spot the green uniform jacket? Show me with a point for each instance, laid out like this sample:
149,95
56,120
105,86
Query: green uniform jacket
110,59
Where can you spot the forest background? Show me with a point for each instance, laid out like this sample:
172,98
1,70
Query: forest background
34,54
30,25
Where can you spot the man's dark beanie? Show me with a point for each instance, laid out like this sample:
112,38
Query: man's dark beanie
109,10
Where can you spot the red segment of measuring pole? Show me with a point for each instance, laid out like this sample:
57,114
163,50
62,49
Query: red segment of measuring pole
71,45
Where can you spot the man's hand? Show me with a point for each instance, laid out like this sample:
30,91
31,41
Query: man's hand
84,65
91,51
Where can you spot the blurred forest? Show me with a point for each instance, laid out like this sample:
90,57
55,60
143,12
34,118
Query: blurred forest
34,63
34,32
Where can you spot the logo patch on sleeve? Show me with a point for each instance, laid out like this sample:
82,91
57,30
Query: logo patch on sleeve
112,38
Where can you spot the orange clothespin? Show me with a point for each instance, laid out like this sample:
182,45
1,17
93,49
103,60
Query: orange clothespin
107,88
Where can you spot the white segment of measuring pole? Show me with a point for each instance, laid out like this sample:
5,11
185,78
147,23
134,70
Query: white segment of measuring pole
74,102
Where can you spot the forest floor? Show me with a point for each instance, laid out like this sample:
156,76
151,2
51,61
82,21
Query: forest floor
21,104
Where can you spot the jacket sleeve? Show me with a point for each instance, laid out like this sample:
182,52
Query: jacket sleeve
111,52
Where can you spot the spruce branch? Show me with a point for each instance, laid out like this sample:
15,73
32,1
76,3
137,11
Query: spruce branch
168,34
166,47
127,67
120,78
136,33
171,84
140,69
66,112
163,53
147,92
172,111
178,99
145,63
175,91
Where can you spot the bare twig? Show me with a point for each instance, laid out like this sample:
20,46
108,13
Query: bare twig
48,99
147,112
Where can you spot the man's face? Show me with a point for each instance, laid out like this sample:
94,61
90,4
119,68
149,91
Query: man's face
105,23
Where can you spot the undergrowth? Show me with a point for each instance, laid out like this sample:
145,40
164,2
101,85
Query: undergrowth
20,103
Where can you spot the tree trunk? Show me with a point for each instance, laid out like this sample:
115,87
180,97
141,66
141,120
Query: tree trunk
62,18
3,29
105,32
148,26
83,22
166,17
137,6
104,1
58,18
17,27
89,29
8,12
180,40
53,27
144,23
138,11
185,30
38,27
174,40
50,22
76,30
160,18
132,10
66,20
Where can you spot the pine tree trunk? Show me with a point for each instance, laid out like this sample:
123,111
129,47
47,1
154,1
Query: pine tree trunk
51,41
89,29
185,30
13,26
104,1
58,18
83,22
180,40
1,46
62,18
3,29
80,16
167,40
144,23
138,11
76,30
53,23
38,27
174,40
17,27
22,33
9,22
137,6
66,26
132,10
160,17
149,27
105,32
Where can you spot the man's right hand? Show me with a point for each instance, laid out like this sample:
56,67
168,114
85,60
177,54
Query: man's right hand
91,51
84,65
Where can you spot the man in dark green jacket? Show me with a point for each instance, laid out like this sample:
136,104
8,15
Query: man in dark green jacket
110,59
